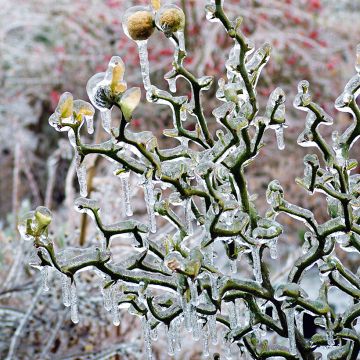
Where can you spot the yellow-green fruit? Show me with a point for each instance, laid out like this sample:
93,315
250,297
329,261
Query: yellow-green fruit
172,20
140,25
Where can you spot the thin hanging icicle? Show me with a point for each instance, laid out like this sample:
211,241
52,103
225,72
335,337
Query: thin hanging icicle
81,174
90,124
150,202
206,351
195,324
193,292
214,281
181,38
106,297
144,63
188,217
329,331
146,330
239,311
273,248
65,285
125,185
172,84
106,120
290,319
279,132
233,266
187,315
74,304
299,318
115,306
44,278
255,251
232,315
212,329
154,334
170,339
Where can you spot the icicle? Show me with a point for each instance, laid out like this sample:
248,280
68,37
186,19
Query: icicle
279,132
209,255
146,330
233,266
181,38
290,314
227,347
214,280
144,63
145,240
299,318
65,285
125,185
273,248
232,315
187,316
329,331
357,65
206,352
81,174
256,263
74,305
90,124
115,306
154,334
106,120
193,292
172,84
44,278
102,240
195,324
188,217
212,329
150,201
106,297
170,340
239,311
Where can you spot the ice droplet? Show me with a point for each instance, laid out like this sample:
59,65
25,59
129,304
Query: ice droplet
81,174
255,251
65,285
214,280
144,63
150,201
290,319
106,120
74,304
44,278
125,185
279,132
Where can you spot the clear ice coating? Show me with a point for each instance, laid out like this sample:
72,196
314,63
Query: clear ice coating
81,174
44,278
146,331
255,252
106,120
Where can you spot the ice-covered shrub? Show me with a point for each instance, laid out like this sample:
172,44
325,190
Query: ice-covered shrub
194,276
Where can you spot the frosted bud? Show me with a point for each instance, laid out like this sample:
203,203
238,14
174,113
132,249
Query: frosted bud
138,23
129,101
65,106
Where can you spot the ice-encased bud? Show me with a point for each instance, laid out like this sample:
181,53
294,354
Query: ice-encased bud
129,101
65,106
275,194
43,216
170,19
138,23
25,226
83,110
175,261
